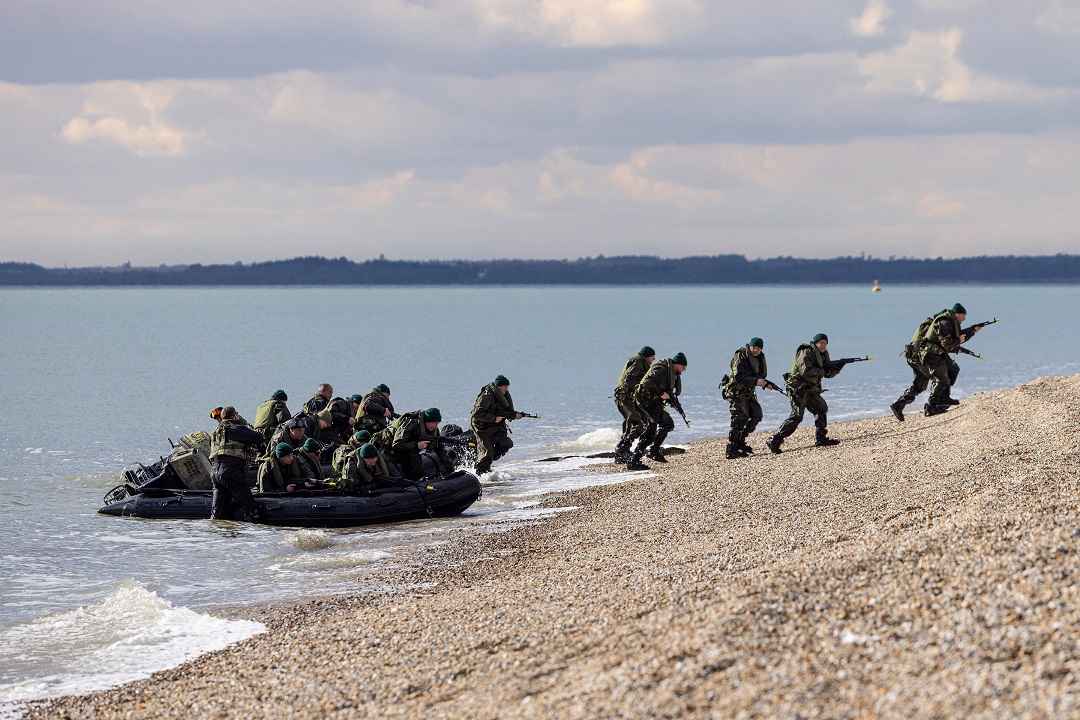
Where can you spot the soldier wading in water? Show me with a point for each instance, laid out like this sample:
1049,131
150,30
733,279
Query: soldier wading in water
633,422
748,372
804,387
232,446
493,408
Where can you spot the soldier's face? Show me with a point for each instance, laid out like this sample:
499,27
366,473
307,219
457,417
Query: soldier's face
286,459
431,427
370,462
503,389
822,344
961,317
755,350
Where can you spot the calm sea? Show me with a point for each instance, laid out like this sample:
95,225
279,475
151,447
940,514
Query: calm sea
95,379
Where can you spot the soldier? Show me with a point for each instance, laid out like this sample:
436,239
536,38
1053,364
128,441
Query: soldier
493,408
375,411
320,400
804,389
271,414
405,441
661,383
363,467
343,416
308,458
357,441
927,356
279,472
748,372
232,446
632,373
293,433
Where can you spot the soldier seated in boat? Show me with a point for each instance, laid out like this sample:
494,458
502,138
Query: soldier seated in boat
363,468
357,441
272,413
281,473
308,457
320,400
292,433
405,438
375,411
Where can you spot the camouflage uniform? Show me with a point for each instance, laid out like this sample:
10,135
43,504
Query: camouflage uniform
492,438
740,389
804,389
633,423
659,379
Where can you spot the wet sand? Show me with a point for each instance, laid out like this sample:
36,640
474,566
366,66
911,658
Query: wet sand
919,569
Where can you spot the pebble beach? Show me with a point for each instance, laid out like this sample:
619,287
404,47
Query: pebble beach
921,569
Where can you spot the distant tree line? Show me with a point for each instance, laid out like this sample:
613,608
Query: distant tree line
622,270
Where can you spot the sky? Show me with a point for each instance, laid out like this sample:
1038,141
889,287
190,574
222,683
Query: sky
181,131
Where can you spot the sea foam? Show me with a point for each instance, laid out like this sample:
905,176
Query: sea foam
123,637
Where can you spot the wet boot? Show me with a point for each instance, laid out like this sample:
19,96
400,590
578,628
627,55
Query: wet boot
482,467
898,409
774,444
745,449
656,454
732,452
634,463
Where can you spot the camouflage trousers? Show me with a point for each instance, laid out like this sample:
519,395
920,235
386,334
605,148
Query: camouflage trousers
633,423
745,416
942,370
654,430
802,401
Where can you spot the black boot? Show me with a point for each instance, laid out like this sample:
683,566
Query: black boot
898,409
930,410
656,454
824,441
950,401
745,449
634,463
732,452
774,444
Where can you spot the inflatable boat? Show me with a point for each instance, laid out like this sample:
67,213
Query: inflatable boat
178,486
433,497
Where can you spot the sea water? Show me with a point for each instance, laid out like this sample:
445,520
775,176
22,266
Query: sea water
95,379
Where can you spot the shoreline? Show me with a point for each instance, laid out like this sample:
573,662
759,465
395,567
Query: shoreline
923,568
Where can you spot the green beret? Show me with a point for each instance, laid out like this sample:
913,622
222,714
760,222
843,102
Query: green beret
500,380
821,336
958,308
356,398
646,352
382,388
756,342
432,415
282,449
369,451
362,436
312,445
678,359
280,395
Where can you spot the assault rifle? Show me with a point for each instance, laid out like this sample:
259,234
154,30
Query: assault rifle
969,331
673,401
962,349
770,385
839,364
447,441
507,418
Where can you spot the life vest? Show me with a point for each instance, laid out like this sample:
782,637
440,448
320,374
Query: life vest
221,445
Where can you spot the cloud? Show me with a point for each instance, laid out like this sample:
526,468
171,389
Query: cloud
872,20
128,114
927,65
590,23
1058,17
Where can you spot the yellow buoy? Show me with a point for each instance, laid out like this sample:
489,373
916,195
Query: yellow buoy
877,288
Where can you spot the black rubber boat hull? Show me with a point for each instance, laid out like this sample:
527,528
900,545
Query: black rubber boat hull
438,497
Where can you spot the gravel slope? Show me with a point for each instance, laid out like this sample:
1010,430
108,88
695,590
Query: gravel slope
923,569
